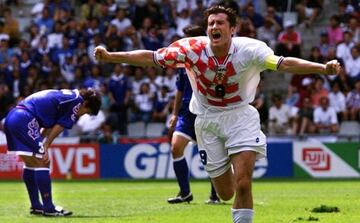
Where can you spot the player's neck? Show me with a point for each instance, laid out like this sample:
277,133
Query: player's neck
221,51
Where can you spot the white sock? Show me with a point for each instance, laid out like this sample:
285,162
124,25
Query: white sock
242,215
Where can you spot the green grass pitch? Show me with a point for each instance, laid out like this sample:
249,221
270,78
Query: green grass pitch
145,201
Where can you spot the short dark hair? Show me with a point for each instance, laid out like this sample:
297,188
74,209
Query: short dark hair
231,14
194,30
92,100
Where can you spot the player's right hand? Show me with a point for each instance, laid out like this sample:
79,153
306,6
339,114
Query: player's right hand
100,53
45,157
173,121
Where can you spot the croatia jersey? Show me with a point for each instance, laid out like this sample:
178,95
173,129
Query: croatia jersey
218,84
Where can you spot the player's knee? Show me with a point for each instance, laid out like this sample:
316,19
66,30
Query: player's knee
177,151
243,184
226,195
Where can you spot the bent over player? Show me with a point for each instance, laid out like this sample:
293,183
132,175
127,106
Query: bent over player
224,72
30,129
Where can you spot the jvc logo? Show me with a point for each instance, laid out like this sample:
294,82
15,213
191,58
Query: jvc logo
317,159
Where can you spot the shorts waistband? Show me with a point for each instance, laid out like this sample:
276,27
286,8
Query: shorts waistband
219,111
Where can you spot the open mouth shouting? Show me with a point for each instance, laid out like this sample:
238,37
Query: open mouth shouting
216,36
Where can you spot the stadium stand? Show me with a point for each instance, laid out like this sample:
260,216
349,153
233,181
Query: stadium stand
40,51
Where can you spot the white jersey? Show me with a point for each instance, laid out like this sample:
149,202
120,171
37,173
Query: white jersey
218,83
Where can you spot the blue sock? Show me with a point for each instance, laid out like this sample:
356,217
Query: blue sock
182,174
44,183
32,188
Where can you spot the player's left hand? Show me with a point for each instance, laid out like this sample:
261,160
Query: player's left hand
332,67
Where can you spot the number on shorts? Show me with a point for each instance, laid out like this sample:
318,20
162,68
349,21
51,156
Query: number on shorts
203,156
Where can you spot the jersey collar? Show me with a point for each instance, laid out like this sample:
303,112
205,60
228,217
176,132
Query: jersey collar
210,53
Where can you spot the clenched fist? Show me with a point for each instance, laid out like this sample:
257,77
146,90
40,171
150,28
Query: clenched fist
332,67
100,53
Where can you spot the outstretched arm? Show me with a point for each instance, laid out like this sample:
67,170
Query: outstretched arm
136,57
300,66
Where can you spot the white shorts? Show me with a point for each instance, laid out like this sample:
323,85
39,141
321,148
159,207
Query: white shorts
222,134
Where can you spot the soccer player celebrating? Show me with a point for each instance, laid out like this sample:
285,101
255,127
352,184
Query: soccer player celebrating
31,127
183,122
224,72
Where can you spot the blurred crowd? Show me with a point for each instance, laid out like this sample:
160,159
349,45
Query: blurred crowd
56,51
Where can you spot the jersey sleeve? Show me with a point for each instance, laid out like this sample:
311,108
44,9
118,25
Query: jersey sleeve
257,53
68,110
272,62
172,56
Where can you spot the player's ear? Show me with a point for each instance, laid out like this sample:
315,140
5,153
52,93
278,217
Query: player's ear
232,30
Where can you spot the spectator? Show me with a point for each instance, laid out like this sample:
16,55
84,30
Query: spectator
121,22
90,10
315,55
318,92
45,23
271,13
120,93
338,101
334,31
279,117
6,100
309,11
55,37
343,50
92,29
90,124
306,117
152,40
137,80
245,28
95,79
324,44
197,14
144,104
162,99
95,41
182,20
354,28
132,39
256,18
11,26
167,12
325,118
260,104
352,64
344,82
289,41
353,103
67,68
268,32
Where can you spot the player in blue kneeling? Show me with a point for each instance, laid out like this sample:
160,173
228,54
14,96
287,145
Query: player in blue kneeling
31,127
183,121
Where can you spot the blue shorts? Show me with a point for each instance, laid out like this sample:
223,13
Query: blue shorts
185,124
23,133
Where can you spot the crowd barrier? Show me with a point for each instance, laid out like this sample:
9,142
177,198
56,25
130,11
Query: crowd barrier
152,160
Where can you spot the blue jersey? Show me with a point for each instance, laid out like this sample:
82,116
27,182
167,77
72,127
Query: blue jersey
183,85
51,107
43,109
186,119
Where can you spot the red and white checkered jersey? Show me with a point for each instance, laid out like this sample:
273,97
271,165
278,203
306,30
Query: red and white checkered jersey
244,62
